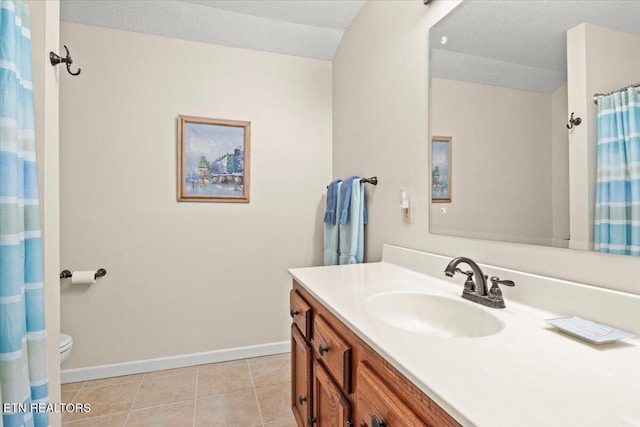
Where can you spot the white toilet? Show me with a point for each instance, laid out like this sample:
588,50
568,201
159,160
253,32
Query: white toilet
66,342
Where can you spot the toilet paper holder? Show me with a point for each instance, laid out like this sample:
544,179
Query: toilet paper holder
65,274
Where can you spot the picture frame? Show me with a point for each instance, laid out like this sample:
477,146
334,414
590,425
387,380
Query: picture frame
213,160
441,170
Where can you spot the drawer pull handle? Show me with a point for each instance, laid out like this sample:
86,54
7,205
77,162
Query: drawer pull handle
301,400
377,422
322,349
294,313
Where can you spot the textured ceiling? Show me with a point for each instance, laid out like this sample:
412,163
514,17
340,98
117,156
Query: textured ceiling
307,28
324,13
519,43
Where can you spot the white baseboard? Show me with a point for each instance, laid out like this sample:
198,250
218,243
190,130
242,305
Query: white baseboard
171,362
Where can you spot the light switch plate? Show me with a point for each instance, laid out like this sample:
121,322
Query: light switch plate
406,213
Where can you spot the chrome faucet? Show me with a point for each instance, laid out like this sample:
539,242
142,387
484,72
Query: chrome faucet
476,290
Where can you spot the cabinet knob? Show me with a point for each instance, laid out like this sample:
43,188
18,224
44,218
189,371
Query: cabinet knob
378,422
322,349
293,313
301,400
311,421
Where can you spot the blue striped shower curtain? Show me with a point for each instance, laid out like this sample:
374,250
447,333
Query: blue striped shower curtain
617,216
23,378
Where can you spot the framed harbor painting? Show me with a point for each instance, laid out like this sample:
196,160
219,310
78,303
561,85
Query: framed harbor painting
441,169
213,160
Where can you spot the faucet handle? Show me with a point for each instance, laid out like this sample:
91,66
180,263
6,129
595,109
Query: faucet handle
495,292
495,280
468,272
469,284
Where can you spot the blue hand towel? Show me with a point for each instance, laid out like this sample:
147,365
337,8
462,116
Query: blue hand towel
345,198
351,236
332,202
332,236
365,214
363,220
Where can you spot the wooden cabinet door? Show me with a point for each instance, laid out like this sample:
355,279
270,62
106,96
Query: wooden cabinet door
378,405
301,363
330,407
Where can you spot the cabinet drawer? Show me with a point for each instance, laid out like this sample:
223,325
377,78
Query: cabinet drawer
334,352
300,313
378,404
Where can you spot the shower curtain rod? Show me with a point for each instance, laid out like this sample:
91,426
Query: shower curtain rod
600,95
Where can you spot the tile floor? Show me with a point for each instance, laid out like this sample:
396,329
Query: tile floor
241,393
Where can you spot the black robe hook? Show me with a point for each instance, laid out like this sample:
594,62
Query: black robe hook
57,59
573,121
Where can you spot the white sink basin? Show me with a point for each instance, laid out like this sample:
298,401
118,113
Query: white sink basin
433,315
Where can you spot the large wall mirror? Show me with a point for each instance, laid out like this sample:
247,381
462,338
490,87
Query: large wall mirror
504,78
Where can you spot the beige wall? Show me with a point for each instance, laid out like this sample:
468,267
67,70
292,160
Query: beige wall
501,149
184,277
599,60
45,25
380,128
559,168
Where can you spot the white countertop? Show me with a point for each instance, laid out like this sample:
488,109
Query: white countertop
528,374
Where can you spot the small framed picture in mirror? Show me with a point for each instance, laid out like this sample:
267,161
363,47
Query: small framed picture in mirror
441,169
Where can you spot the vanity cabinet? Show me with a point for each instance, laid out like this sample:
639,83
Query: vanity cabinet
340,381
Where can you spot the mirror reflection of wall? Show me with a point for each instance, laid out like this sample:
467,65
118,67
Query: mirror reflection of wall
504,79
